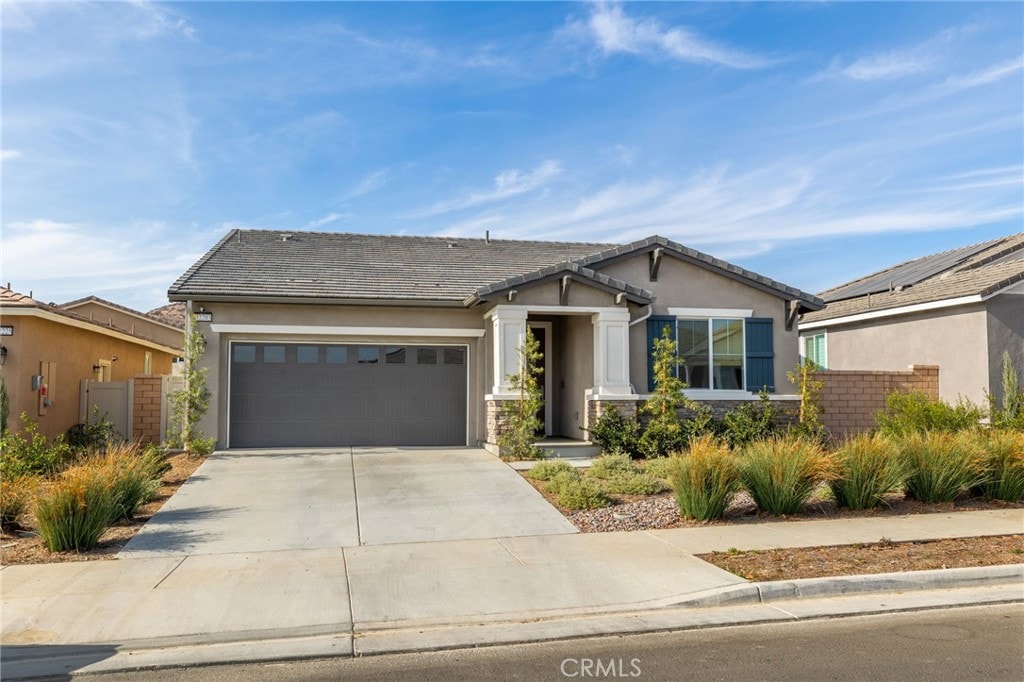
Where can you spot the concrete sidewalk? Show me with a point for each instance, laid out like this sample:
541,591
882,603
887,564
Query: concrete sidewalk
336,596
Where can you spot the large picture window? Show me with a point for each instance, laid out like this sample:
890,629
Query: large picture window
711,351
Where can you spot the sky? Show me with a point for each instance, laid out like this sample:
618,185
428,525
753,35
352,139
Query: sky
812,143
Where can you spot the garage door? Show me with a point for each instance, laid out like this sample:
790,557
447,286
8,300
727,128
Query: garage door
305,395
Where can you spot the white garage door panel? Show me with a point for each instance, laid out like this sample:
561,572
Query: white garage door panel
321,395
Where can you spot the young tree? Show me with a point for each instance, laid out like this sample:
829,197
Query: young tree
521,416
664,434
191,403
810,388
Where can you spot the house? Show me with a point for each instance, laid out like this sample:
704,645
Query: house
959,309
347,339
47,350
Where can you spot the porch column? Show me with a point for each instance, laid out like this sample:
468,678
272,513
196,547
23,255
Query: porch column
509,326
611,354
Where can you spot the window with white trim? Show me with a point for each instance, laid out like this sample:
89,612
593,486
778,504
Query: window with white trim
712,351
816,350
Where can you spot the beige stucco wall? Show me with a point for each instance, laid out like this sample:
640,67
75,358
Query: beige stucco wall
955,339
683,285
548,293
215,423
73,351
575,373
1005,333
130,323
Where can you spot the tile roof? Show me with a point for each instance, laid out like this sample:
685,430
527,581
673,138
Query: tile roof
985,269
276,264
9,297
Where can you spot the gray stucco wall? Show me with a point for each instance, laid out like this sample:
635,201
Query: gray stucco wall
955,339
1005,333
575,373
683,285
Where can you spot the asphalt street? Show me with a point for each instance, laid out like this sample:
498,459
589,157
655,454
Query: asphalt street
975,643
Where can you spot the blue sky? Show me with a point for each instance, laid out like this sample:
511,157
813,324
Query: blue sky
809,142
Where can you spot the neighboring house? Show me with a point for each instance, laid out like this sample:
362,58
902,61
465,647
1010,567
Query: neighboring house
959,309
47,350
165,325
345,339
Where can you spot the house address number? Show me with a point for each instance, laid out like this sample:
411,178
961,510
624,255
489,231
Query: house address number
204,317
7,330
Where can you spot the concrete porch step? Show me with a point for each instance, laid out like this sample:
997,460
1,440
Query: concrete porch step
578,453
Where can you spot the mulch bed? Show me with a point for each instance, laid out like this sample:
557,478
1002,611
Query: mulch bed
23,546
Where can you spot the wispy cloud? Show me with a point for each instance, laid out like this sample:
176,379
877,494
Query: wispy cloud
508,183
9,154
369,184
325,220
893,64
616,32
990,74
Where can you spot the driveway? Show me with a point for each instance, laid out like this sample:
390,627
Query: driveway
273,500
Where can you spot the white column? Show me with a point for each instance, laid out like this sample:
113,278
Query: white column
611,354
509,335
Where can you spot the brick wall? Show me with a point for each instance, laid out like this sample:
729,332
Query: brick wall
146,423
850,398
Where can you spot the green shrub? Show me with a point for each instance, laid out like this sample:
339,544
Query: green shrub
545,471
607,466
915,412
616,434
704,479
203,447
634,483
751,421
867,467
562,479
661,438
31,453
1008,413
582,494
660,468
941,465
1003,453
94,436
701,422
781,472
133,476
73,513
16,495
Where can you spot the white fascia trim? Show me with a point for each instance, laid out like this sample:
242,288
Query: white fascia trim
89,326
892,312
710,312
704,394
322,330
564,309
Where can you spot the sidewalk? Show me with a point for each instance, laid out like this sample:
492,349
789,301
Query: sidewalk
381,596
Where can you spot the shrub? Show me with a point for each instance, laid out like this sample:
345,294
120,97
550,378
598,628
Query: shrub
562,479
701,422
660,468
607,466
781,472
616,434
1003,453
1008,413
16,495
634,483
94,436
73,513
941,465
751,421
31,453
867,467
704,479
203,447
915,412
133,477
545,471
662,437
582,494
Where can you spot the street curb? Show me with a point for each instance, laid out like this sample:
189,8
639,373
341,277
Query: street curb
787,590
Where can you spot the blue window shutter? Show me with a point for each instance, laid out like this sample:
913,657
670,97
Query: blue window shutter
655,328
760,354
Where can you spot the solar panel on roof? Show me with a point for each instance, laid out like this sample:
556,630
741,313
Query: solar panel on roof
908,273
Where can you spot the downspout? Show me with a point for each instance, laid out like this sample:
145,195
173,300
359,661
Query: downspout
650,311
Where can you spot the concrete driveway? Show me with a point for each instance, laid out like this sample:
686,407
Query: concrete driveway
274,500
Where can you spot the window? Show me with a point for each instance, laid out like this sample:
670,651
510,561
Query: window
454,356
712,353
394,356
368,355
815,350
245,353
336,355
426,356
307,355
147,363
273,355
